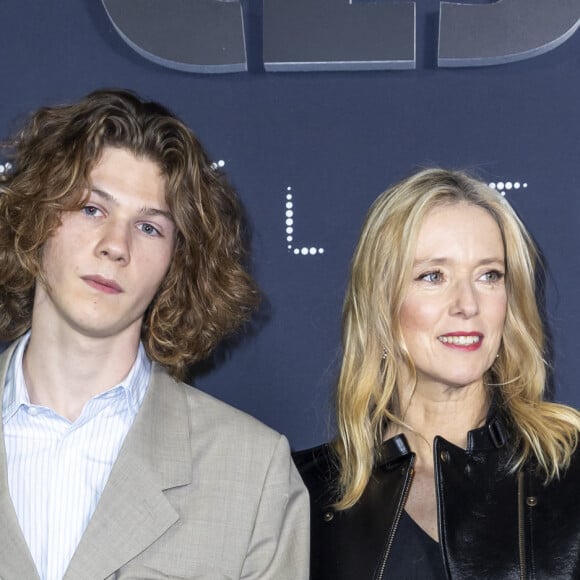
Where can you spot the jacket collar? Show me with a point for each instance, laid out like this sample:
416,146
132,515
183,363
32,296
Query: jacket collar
133,510
493,435
15,558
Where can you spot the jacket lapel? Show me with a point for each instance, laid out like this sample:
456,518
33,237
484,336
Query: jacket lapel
133,511
15,559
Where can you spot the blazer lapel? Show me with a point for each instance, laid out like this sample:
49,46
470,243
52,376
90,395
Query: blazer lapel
133,511
15,559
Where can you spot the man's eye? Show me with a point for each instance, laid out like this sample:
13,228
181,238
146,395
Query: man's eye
149,230
90,210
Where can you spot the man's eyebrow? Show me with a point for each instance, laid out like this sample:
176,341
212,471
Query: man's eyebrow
145,211
151,211
106,196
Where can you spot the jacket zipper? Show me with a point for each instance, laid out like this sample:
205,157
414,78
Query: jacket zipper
390,539
521,526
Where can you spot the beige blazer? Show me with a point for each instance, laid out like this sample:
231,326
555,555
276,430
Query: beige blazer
199,490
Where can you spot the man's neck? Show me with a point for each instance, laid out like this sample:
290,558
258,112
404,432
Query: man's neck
65,370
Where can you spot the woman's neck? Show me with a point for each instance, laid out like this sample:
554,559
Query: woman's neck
450,413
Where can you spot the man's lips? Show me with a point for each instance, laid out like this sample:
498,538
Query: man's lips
462,340
103,284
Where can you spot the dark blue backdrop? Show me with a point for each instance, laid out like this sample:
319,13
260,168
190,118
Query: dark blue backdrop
337,140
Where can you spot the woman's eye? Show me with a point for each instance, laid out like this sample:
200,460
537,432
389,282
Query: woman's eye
433,277
492,276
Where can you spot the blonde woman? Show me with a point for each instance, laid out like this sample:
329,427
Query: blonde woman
448,461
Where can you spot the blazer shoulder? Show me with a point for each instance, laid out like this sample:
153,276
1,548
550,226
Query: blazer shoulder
211,418
229,417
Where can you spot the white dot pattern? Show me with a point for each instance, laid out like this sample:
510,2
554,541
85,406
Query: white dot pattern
220,164
289,222
504,186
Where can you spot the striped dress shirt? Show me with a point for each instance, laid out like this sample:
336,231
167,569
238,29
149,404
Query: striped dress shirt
57,470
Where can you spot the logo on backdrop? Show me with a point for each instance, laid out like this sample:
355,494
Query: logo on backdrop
208,36
309,249
502,187
289,221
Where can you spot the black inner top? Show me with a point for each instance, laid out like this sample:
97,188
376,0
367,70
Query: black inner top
415,555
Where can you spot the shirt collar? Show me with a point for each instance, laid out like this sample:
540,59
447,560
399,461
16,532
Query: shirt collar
136,382
134,385
15,393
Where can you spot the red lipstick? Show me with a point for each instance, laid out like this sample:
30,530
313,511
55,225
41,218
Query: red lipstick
466,341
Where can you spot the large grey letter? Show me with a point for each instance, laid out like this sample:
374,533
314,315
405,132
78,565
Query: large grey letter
204,36
302,35
505,31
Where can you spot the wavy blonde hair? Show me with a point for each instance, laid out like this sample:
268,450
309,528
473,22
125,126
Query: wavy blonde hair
367,397
206,294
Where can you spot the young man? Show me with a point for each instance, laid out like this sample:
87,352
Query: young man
120,264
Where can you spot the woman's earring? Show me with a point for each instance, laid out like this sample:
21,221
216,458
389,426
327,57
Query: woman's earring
384,360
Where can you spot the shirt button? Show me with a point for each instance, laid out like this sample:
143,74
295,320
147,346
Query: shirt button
445,457
33,411
532,501
328,516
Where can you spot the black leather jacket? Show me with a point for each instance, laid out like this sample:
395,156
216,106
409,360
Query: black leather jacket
492,524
